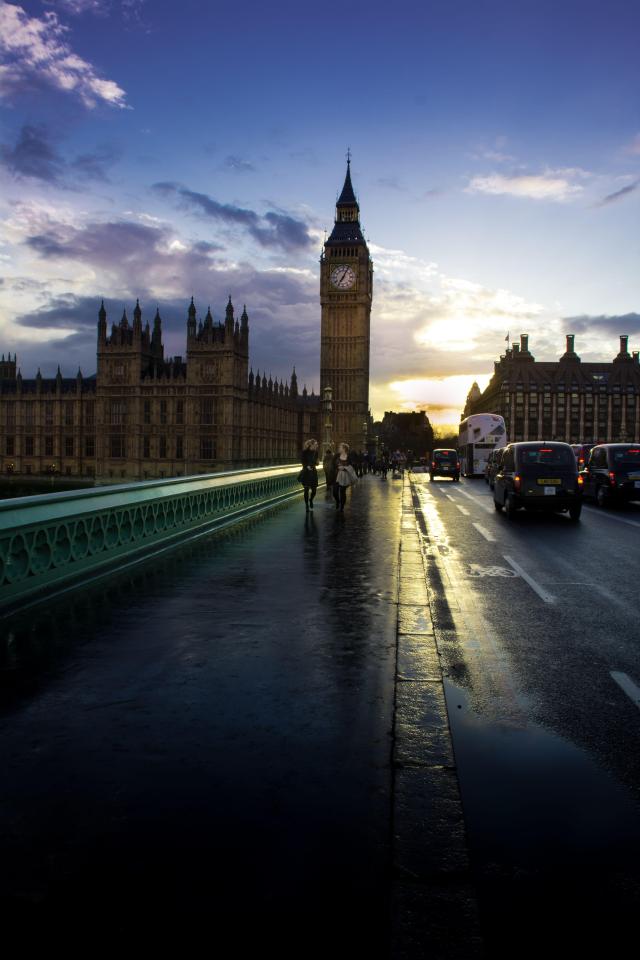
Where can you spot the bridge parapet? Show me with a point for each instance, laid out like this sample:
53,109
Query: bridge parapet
57,541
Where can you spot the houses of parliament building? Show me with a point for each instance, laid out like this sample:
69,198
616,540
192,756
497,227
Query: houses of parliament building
144,415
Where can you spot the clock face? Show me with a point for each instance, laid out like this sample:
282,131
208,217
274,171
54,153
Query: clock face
343,277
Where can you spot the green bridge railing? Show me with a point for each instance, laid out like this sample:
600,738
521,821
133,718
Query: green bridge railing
57,541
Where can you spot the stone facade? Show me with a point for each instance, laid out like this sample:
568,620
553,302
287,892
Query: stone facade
143,415
563,400
346,293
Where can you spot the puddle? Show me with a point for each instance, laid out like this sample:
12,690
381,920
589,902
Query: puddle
554,839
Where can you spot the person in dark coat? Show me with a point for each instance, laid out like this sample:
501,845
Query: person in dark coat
309,460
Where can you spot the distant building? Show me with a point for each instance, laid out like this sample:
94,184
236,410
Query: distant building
406,431
563,400
143,415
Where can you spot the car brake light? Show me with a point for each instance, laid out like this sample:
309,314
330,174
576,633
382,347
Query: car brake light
633,451
545,450
612,478
580,480
433,465
517,482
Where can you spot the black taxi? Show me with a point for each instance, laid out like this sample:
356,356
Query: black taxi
613,473
538,476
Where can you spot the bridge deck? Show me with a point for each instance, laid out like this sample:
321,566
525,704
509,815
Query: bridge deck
204,745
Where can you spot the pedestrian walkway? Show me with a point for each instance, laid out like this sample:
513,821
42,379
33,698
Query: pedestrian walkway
204,746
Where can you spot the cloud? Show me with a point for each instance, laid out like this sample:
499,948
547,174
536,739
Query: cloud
554,185
32,156
390,183
276,230
94,166
618,194
238,164
608,324
77,7
36,49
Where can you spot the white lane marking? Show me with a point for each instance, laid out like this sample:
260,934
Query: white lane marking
626,683
612,516
449,497
462,509
484,532
478,501
535,586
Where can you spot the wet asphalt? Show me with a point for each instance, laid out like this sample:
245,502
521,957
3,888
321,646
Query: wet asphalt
202,749
532,617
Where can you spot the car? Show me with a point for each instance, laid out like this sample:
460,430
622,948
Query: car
493,464
613,473
581,452
445,463
538,475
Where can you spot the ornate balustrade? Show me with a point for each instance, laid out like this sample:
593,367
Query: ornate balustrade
59,540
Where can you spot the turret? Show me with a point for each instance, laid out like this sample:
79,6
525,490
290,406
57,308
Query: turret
191,320
228,321
8,367
137,321
102,324
156,336
293,391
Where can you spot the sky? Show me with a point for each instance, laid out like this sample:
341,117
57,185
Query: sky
157,150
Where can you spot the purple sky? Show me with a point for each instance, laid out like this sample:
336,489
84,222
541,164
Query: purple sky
160,149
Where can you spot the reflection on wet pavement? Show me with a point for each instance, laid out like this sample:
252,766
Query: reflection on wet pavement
203,746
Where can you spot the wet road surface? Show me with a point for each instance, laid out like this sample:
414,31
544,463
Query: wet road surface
536,622
203,748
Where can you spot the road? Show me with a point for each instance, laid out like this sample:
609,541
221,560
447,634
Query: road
203,746
537,625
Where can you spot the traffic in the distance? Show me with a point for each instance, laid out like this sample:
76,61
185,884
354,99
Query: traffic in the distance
539,475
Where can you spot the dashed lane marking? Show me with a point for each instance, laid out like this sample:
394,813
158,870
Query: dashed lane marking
625,682
449,497
478,501
535,586
462,510
484,533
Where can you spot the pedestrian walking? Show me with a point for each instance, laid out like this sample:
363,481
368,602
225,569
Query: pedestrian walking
329,467
345,475
308,476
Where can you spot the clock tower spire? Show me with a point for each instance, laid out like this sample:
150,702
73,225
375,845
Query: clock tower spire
346,292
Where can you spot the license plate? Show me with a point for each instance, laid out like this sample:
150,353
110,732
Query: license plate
444,469
550,482
549,491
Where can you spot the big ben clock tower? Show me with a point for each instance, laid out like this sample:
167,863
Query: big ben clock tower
346,291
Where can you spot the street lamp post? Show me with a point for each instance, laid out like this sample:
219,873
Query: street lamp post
328,407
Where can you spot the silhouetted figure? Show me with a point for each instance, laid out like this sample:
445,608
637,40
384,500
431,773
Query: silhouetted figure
329,467
309,473
345,475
